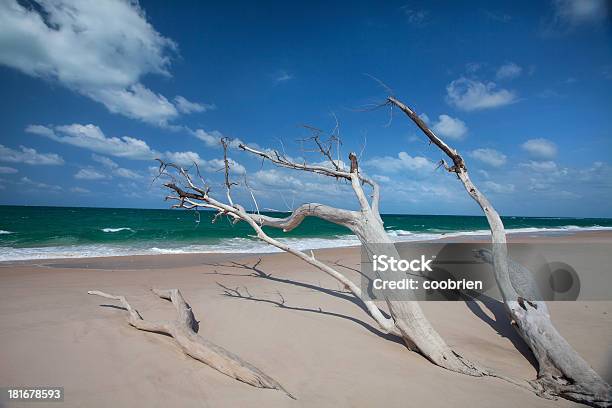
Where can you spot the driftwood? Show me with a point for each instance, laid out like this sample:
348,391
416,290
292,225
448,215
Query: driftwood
182,330
407,319
561,370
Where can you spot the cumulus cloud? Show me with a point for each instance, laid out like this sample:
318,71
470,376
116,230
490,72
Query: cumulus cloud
540,148
185,106
469,95
403,161
570,14
114,168
508,71
218,164
498,188
49,188
136,101
292,184
92,138
449,127
186,159
7,170
489,156
381,179
211,139
548,166
100,49
90,174
28,155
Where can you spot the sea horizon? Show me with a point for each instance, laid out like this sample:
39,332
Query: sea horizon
51,232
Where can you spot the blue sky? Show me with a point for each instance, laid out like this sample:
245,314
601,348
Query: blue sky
93,91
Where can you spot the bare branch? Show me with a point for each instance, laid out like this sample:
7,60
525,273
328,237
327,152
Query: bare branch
335,215
561,370
183,331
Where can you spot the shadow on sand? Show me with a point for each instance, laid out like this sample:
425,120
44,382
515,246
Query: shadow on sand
499,322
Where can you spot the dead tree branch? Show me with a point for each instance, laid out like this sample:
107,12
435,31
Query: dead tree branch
407,318
182,330
562,372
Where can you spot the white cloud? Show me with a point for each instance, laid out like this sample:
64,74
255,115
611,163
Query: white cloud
185,106
468,94
295,184
540,148
184,159
282,76
381,179
105,161
218,164
90,174
484,173
211,139
187,159
568,14
79,190
29,156
7,170
498,188
114,168
278,178
92,138
41,186
136,101
100,49
541,166
126,173
489,156
403,161
508,71
449,127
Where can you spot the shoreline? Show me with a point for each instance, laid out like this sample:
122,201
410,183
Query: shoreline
513,235
159,261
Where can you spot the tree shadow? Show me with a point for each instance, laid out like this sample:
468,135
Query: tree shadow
500,322
236,293
260,274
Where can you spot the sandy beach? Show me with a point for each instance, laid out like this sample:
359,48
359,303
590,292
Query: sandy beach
319,344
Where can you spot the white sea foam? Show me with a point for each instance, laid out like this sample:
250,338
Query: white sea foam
248,245
117,229
3,232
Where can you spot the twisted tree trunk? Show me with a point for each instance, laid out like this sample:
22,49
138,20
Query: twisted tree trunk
561,370
409,322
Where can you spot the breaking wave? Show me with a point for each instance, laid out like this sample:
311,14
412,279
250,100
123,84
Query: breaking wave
116,229
245,245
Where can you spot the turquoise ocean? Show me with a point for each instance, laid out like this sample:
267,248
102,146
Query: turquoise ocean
62,232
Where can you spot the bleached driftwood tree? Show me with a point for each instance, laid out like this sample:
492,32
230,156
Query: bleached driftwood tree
407,318
184,332
561,370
